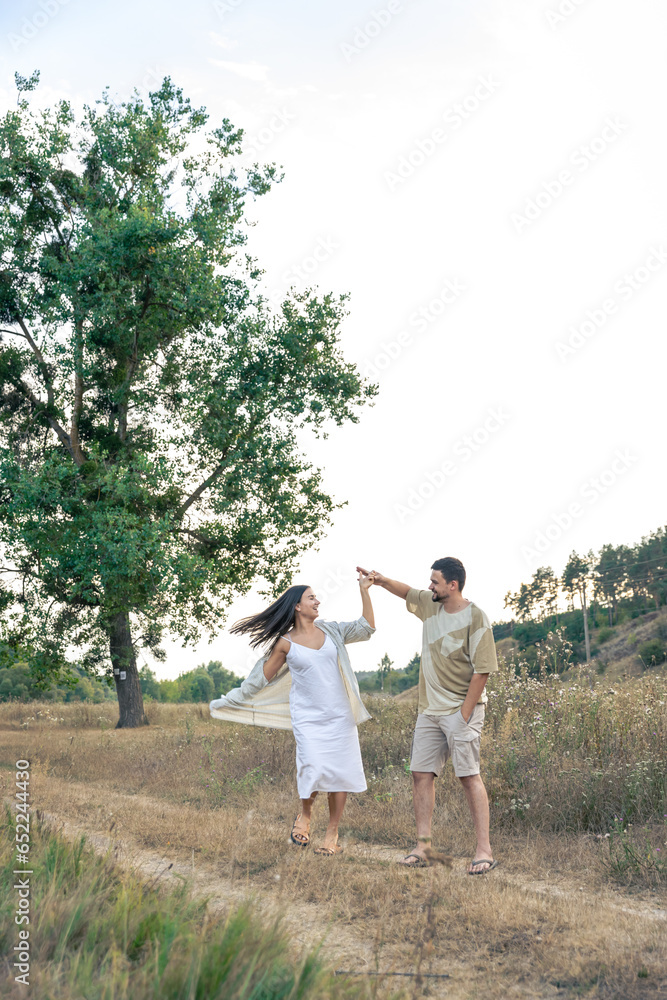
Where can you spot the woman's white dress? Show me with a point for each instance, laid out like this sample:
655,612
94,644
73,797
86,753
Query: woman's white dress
328,758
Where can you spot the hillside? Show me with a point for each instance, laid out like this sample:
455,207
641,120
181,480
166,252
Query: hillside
616,655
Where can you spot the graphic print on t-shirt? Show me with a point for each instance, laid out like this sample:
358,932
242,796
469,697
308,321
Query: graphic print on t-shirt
453,647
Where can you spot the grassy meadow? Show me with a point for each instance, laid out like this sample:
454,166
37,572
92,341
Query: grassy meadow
576,774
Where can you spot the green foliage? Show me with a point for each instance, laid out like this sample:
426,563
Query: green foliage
150,686
539,596
395,681
410,676
205,682
150,402
652,651
635,853
223,680
619,583
384,669
18,682
101,933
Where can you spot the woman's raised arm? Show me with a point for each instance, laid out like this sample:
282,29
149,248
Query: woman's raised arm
366,581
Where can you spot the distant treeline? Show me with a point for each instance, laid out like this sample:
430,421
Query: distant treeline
386,679
614,585
204,683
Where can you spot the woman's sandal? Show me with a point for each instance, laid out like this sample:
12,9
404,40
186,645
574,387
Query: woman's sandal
304,838
328,851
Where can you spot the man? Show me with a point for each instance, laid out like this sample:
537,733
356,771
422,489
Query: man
458,654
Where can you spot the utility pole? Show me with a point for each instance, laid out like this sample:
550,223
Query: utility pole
587,641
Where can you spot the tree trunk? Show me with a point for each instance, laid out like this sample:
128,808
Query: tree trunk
126,675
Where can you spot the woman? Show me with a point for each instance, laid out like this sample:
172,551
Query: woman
305,682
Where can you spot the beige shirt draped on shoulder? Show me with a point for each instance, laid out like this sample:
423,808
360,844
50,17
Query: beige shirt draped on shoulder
259,702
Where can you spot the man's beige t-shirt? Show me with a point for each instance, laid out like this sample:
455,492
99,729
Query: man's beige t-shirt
454,646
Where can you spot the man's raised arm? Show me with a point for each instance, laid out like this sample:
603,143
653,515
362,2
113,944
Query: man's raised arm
393,586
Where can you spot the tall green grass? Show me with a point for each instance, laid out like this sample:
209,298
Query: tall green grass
101,935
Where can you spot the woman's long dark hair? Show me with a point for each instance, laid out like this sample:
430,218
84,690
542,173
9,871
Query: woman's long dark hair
267,627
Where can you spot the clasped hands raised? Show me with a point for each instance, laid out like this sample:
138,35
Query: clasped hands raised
367,578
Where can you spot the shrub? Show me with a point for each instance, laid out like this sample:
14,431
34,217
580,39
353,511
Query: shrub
652,651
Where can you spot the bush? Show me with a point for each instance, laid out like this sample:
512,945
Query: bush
652,651
604,633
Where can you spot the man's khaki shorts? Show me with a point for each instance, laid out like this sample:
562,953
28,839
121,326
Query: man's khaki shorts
438,737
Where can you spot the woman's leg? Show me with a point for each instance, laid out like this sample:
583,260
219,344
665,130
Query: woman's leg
307,806
301,827
337,802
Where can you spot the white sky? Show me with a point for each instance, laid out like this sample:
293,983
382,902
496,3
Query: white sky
583,95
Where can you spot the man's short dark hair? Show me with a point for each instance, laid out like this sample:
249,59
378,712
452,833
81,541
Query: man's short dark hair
451,569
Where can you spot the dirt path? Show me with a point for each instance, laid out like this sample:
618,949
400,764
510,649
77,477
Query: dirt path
344,949
346,946
206,881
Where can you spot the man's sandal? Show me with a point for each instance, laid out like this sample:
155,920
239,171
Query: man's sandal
483,861
419,863
301,839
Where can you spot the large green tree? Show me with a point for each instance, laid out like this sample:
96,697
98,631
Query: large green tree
150,399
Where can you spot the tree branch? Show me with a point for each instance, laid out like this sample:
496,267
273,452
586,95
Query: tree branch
62,435
43,367
132,367
202,487
77,453
195,534
221,465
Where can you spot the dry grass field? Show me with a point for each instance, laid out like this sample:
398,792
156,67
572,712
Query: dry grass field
576,778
